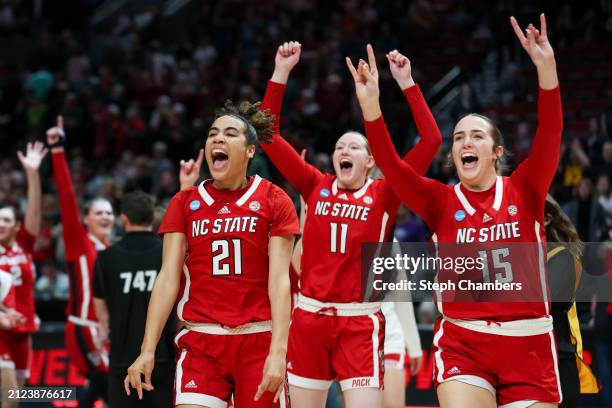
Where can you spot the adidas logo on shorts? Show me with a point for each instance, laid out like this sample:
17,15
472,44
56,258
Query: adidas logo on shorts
454,370
224,210
191,384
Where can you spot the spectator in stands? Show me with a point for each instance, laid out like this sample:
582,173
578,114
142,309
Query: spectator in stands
466,103
586,213
604,197
53,284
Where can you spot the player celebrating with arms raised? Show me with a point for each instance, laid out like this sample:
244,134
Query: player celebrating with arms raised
226,252
81,245
334,334
488,354
16,246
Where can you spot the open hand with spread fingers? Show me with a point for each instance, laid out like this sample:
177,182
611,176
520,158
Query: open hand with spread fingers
35,153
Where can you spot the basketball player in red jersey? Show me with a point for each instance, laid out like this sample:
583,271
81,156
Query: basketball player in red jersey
488,354
9,317
227,247
16,246
334,334
82,241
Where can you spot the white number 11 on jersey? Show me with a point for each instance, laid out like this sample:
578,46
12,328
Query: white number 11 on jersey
334,238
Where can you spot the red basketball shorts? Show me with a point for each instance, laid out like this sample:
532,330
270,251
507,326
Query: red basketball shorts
15,351
516,361
83,347
215,363
335,341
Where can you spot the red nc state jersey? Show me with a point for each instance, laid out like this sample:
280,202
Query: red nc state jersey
503,228
7,290
338,222
225,276
17,260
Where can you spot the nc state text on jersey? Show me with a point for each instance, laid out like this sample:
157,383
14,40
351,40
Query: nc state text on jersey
223,225
495,232
342,210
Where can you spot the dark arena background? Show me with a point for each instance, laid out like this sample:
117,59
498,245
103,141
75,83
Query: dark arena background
137,83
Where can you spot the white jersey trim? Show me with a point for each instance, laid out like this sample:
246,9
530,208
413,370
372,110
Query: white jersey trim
375,353
438,353
383,227
308,383
209,200
214,328
83,322
192,398
542,267
519,404
357,194
185,297
513,328
85,286
439,304
204,194
473,380
463,199
6,282
97,243
499,195
553,349
337,309
250,191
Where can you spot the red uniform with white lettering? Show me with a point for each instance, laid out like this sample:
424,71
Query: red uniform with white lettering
81,251
18,260
225,286
337,223
7,290
505,347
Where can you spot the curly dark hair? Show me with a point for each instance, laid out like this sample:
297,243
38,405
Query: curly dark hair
261,121
560,228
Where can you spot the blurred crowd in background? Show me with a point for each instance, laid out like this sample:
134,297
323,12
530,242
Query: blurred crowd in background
138,84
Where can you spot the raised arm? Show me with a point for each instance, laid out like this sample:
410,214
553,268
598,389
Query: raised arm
536,173
300,174
35,152
75,236
189,171
423,153
424,196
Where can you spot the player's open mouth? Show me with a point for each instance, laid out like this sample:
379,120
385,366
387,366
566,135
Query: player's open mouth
346,166
219,159
469,160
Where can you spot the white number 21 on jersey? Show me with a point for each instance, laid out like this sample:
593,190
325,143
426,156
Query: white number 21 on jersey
221,268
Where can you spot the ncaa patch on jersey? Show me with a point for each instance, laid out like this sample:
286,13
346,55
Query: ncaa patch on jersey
512,210
459,215
324,193
194,205
254,205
